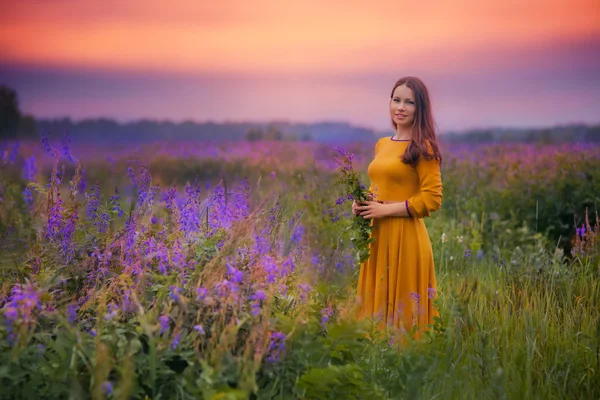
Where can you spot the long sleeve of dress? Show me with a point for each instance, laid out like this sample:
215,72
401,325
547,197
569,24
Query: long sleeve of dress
429,199
372,187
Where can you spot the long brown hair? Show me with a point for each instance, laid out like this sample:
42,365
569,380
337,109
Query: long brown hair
424,141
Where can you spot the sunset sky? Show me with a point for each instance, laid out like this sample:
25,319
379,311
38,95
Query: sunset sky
486,63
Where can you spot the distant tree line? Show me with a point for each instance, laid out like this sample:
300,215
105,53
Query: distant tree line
555,135
15,124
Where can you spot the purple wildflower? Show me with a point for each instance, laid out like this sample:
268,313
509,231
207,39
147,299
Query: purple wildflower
115,205
93,202
304,289
169,198
326,314
276,347
235,275
240,206
416,297
45,141
175,342
65,145
201,293
174,292
82,182
164,323
259,295
298,234
271,269
255,308
199,329
287,267
283,289
28,197
107,387
190,210
55,219
431,293
112,311
14,152
30,169
72,313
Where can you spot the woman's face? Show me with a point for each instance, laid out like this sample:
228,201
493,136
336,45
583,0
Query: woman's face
402,106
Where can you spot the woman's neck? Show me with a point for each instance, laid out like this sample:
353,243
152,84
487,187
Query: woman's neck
403,134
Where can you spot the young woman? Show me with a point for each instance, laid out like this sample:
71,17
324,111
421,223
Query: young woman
397,283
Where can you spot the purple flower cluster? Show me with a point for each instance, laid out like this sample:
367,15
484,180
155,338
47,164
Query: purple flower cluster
175,292
276,349
20,307
55,222
189,219
201,293
298,234
303,290
111,311
199,329
102,219
115,205
271,268
241,208
30,169
28,197
164,323
175,341
256,299
9,157
45,141
169,198
72,313
431,293
416,297
65,141
235,275
326,314
331,213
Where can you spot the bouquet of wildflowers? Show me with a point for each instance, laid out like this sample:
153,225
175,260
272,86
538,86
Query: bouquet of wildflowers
361,228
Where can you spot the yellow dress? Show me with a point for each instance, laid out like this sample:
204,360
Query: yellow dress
397,283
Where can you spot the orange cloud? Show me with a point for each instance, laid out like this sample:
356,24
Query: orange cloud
273,36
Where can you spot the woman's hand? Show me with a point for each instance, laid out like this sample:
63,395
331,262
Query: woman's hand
355,207
371,209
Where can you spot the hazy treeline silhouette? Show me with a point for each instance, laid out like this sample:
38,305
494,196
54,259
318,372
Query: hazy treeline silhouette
15,124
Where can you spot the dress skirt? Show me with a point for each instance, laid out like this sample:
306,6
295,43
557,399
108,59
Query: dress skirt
397,283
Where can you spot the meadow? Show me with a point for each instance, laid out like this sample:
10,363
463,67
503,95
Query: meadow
192,270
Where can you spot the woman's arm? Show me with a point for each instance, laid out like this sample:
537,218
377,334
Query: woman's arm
429,198
375,209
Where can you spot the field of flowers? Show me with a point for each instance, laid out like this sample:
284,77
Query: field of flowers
201,271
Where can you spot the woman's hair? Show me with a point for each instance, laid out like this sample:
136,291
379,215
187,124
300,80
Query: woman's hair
424,140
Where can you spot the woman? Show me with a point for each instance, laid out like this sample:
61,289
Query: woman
397,283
